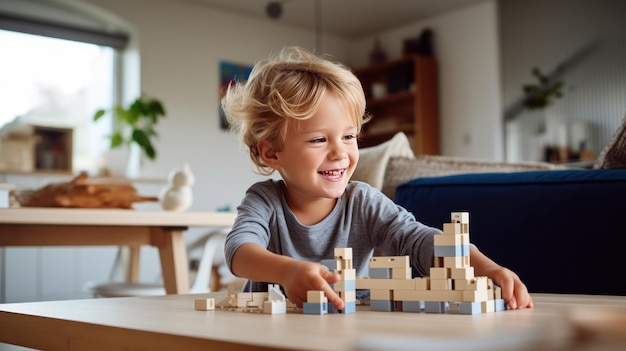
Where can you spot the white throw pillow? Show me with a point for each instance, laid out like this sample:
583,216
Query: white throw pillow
373,160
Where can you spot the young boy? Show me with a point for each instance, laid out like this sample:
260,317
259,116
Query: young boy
301,115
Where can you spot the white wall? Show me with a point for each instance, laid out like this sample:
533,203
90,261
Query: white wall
181,45
466,47
547,34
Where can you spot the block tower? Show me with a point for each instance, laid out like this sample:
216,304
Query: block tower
452,271
317,303
451,286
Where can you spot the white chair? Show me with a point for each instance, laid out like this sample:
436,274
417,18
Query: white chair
211,260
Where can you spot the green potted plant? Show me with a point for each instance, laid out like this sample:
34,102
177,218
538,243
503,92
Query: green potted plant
135,124
544,92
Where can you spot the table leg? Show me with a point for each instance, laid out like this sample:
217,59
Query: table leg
174,264
132,273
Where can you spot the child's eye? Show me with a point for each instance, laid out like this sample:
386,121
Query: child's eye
318,140
349,137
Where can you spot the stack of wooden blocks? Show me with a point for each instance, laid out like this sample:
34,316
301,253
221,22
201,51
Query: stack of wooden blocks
317,303
451,287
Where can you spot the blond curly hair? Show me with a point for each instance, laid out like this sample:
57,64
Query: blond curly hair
286,88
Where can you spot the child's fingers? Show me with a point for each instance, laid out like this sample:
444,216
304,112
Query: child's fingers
329,276
507,292
332,297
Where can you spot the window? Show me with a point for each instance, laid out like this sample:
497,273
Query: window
57,67
58,83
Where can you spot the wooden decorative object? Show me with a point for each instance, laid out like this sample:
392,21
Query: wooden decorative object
81,192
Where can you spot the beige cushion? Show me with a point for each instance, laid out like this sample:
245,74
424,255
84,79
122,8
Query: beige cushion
614,154
401,170
373,160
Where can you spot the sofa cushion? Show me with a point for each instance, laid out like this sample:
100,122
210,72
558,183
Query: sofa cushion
373,160
614,154
562,231
401,169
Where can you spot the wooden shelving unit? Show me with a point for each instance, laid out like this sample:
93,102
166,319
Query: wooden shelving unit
53,149
410,104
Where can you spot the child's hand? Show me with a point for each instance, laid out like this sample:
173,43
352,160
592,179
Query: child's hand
514,292
305,276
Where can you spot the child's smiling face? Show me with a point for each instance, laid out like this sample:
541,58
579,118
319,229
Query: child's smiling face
320,154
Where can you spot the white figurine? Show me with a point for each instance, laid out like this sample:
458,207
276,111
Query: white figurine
177,195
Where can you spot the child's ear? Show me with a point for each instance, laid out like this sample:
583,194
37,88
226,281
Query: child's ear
268,153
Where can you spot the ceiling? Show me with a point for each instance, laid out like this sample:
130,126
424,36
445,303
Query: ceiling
347,18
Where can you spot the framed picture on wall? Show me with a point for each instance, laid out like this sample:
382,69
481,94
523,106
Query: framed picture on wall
230,73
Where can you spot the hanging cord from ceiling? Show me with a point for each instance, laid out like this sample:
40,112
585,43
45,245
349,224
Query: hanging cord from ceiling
318,26
274,10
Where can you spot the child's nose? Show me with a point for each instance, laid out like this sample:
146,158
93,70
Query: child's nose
338,151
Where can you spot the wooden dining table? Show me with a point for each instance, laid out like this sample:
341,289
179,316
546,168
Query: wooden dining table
170,322
113,227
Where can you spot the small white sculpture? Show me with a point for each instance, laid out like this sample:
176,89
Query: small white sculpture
177,195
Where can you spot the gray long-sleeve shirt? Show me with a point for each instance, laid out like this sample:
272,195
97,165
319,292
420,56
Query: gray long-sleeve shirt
363,219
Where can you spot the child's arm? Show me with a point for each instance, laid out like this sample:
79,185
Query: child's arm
514,292
254,262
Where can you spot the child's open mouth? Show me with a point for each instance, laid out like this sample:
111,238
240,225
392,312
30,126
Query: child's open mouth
334,174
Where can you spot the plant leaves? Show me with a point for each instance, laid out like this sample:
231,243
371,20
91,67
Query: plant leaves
99,114
117,140
143,141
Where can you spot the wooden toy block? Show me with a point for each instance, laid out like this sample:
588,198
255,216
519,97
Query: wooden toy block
401,273
343,253
207,304
451,239
389,262
347,296
456,262
470,308
439,273
422,283
274,307
331,264
315,308
315,296
440,284
428,295
382,284
349,307
381,294
451,251
497,292
475,296
344,285
382,305
413,306
380,273
251,299
452,229
500,305
465,273
344,263
460,217
487,306
275,294
347,274
438,262
476,283
435,307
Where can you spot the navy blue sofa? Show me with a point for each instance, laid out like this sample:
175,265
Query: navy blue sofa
562,231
